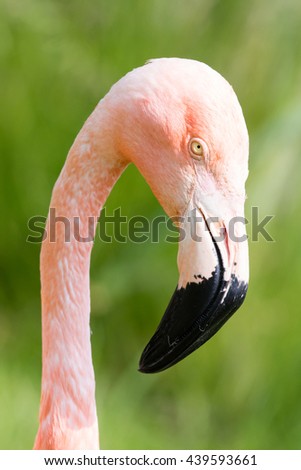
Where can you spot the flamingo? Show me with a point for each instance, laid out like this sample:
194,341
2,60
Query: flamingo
181,124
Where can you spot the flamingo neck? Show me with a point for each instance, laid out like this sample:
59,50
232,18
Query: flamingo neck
68,418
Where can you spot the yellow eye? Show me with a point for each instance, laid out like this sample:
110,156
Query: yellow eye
197,148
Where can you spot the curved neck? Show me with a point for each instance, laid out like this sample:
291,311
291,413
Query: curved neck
68,417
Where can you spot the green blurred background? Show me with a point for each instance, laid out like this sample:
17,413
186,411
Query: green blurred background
58,58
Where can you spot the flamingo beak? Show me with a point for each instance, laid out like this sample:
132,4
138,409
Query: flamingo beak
213,265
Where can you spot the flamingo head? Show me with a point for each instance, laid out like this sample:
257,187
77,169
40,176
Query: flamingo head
181,124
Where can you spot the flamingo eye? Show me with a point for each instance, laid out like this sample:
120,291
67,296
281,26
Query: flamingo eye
197,149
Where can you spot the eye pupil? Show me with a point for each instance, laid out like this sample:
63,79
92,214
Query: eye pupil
198,149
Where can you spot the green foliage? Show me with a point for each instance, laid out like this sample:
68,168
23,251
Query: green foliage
240,390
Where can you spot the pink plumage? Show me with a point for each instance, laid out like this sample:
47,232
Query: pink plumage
153,117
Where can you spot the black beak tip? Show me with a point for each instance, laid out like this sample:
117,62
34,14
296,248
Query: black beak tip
144,369
151,361
151,368
191,318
